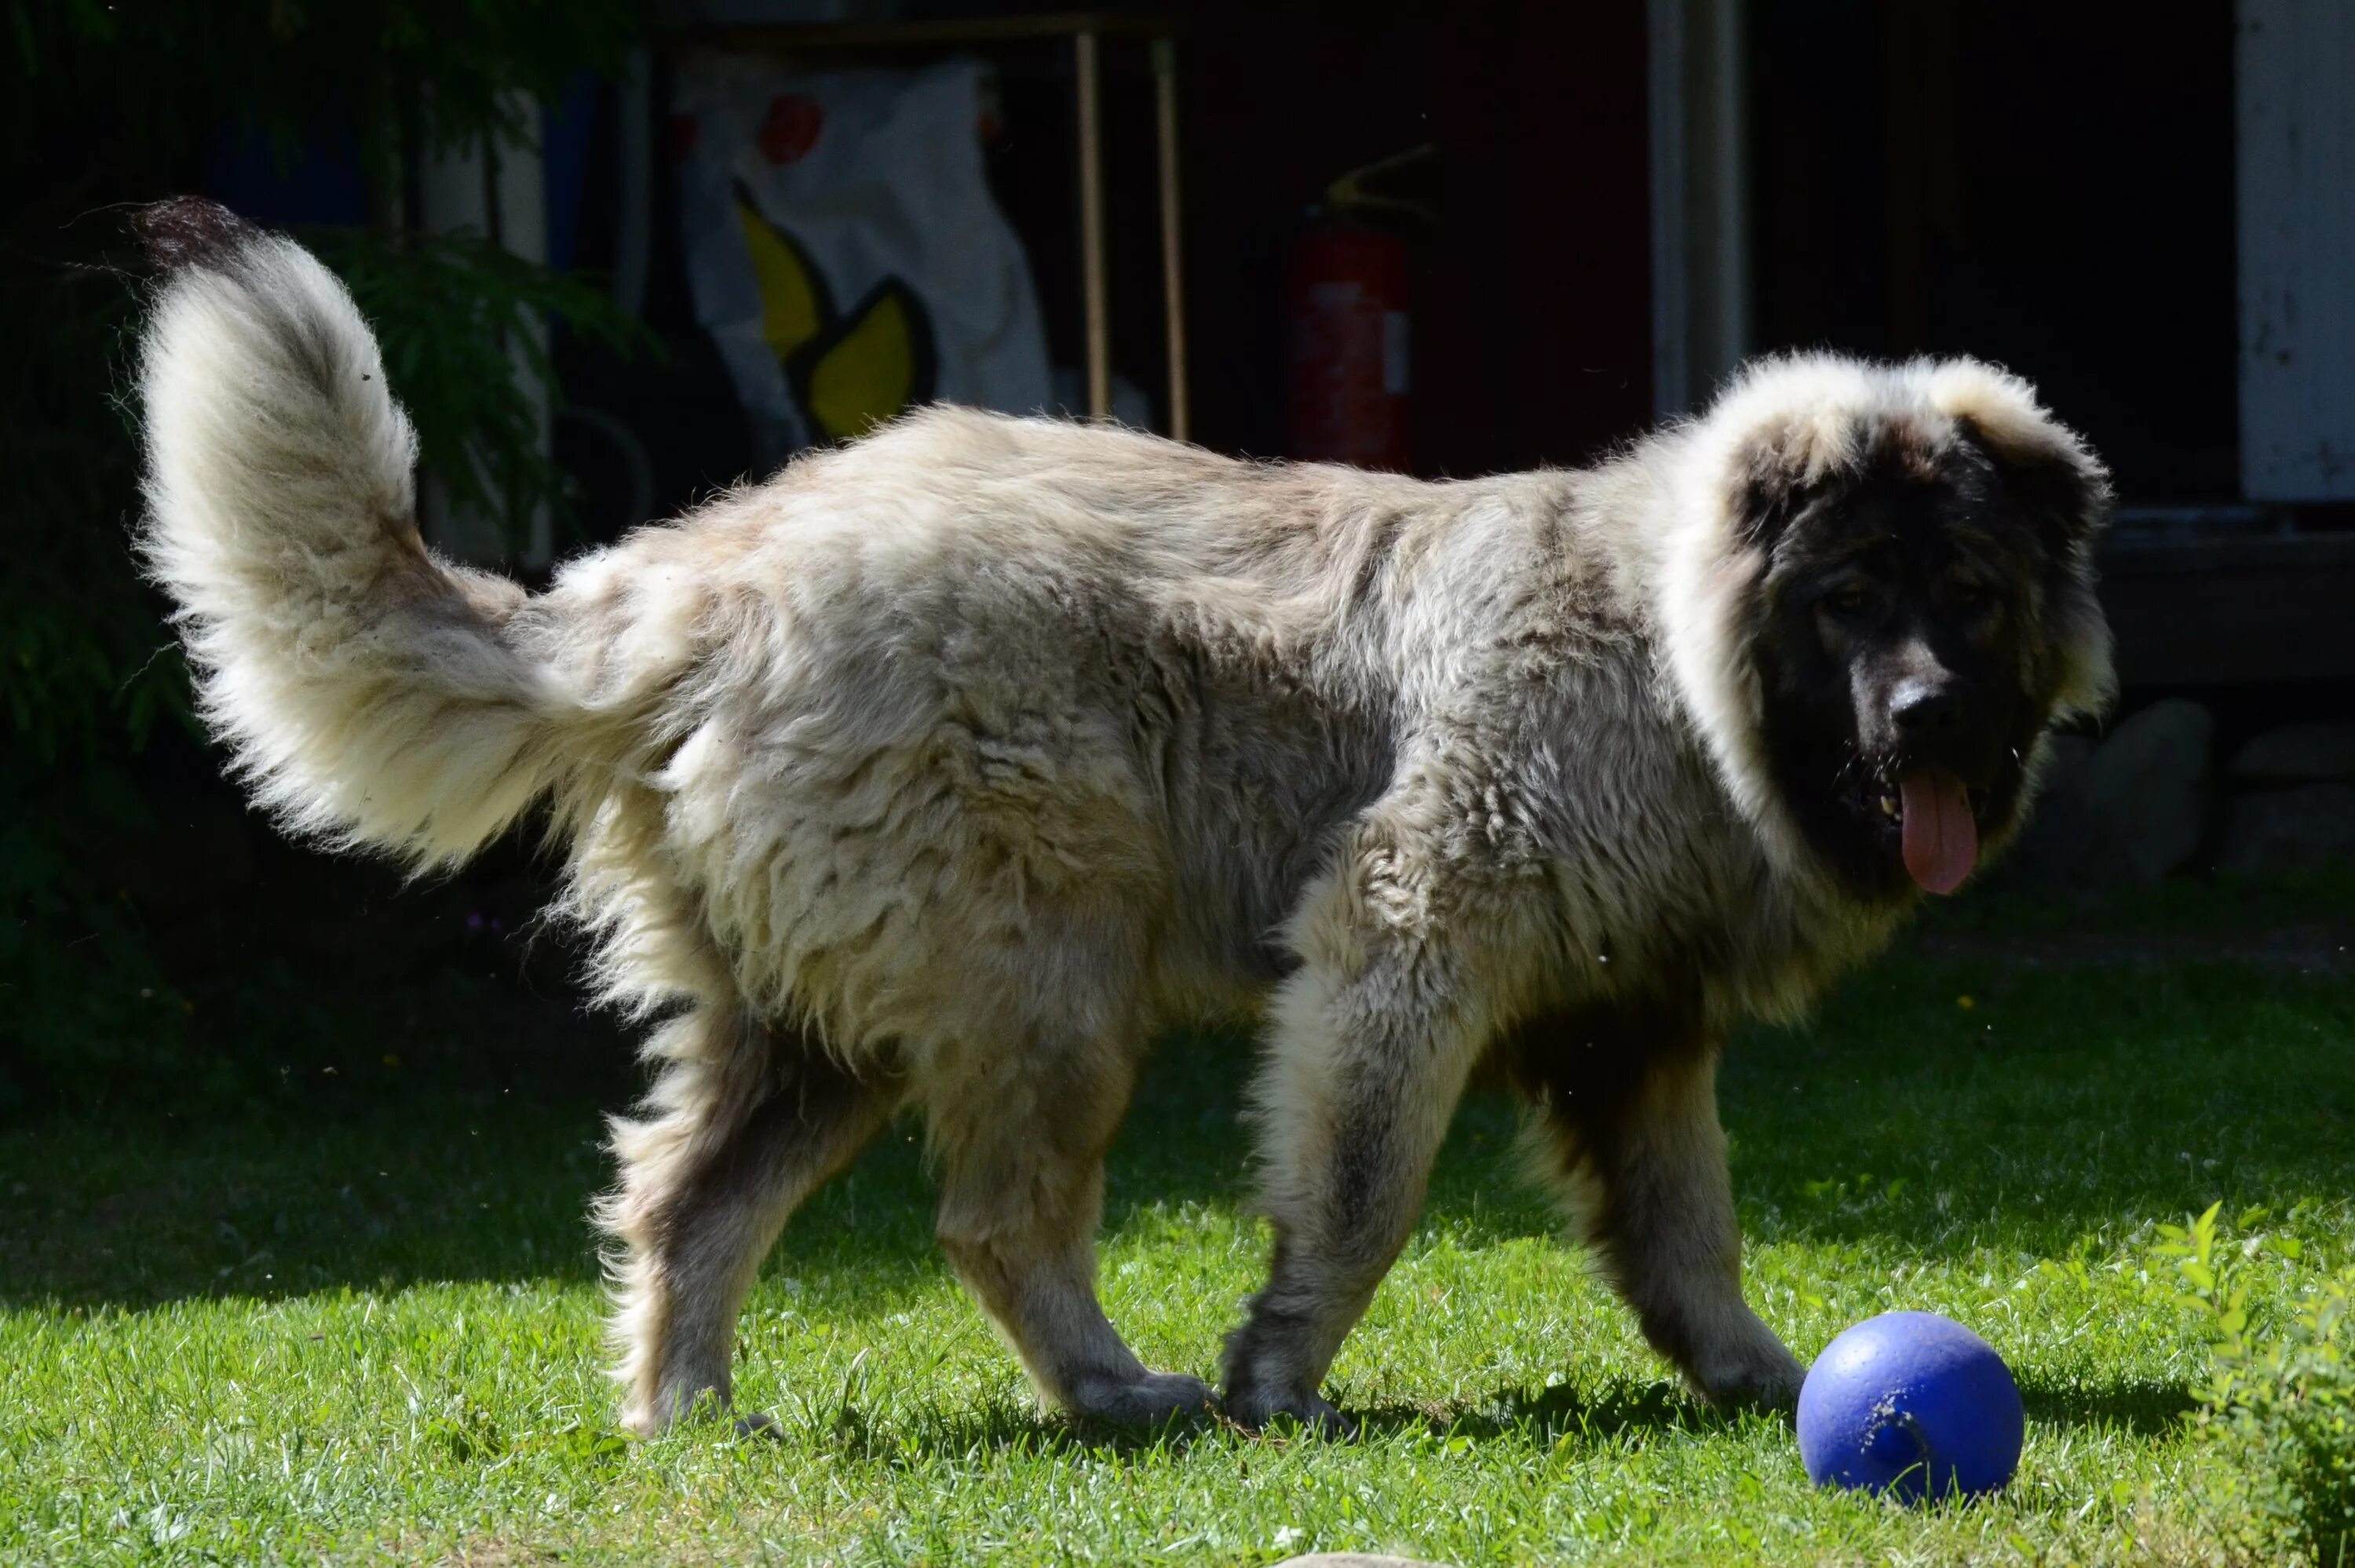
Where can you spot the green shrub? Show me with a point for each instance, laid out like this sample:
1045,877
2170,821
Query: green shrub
109,106
2280,1394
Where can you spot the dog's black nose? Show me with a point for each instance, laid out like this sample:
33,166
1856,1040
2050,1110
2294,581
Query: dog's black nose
1922,707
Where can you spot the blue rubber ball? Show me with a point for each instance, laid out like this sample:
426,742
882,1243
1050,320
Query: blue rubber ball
1912,1405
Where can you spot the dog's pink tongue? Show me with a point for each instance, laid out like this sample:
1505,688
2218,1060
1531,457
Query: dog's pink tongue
1942,842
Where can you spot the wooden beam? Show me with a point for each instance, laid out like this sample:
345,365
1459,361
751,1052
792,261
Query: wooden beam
791,38
1173,286
1088,50
2229,610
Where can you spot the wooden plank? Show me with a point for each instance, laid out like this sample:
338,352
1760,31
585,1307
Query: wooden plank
1173,281
950,33
1094,287
1700,216
2228,610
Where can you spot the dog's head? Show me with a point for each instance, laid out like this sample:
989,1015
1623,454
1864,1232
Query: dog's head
1888,601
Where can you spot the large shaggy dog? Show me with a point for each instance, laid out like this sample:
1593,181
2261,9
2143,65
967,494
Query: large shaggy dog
942,771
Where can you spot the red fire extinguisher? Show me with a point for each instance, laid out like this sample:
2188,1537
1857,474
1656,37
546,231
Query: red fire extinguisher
1348,331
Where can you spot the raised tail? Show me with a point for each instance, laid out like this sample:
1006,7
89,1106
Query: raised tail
371,692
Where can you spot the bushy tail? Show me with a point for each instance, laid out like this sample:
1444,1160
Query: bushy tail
372,693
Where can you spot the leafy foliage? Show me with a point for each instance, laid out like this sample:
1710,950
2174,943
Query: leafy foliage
2284,1399
151,79
110,106
454,314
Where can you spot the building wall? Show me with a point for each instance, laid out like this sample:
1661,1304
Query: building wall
2296,70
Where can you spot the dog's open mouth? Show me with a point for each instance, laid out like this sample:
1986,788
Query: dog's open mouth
1934,816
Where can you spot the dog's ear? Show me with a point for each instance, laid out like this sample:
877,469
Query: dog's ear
2063,492
1776,475
2052,476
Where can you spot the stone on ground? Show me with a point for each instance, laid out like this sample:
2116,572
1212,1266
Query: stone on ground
2137,808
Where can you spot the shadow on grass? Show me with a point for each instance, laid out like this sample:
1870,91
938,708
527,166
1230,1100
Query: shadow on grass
1951,1106
413,1191
382,1178
1624,1408
1620,1409
1620,1413
2143,1408
2055,1105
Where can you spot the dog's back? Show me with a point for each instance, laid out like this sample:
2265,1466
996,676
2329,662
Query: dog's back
1051,675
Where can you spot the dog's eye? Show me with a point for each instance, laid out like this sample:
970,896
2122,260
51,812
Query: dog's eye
1848,598
1968,594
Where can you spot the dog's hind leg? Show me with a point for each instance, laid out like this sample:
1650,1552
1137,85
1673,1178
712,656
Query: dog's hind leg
1639,1159
744,1123
1021,1145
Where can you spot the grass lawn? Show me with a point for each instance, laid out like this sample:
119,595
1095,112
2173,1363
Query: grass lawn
362,1323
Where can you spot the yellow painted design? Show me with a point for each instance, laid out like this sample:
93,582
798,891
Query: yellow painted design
791,309
869,376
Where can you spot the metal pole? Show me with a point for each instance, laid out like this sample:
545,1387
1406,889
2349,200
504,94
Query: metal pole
1091,226
1173,287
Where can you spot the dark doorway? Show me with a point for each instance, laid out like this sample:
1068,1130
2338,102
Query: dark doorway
2046,185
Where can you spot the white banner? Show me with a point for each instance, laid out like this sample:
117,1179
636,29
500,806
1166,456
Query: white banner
844,250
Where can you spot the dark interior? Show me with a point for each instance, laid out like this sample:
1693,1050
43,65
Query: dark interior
2035,184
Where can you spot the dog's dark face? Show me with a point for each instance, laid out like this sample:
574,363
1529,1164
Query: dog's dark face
1903,642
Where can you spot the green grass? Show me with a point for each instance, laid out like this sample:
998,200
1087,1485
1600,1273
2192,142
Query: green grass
363,1323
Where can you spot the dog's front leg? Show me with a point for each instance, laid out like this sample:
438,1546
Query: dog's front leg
1642,1168
1374,1037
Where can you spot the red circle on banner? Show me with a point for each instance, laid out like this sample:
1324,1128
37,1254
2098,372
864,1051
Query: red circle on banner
791,128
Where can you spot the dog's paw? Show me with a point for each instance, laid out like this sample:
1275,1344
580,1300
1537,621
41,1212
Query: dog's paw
1153,1400
674,1410
1259,1409
1757,1374
760,1423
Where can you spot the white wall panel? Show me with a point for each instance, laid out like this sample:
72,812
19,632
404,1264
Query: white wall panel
2296,70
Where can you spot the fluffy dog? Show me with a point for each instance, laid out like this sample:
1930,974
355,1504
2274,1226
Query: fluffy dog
942,771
